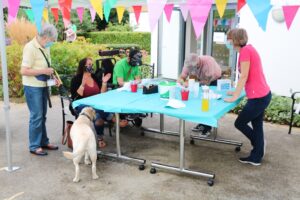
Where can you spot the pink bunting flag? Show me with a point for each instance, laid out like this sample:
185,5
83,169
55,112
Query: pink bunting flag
54,12
184,11
199,10
137,12
13,8
155,9
4,3
93,14
80,12
168,11
289,14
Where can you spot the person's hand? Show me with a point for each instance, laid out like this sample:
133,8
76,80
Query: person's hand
57,82
106,77
230,93
231,99
48,71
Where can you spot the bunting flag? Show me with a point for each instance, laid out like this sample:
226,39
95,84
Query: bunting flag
289,14
37,7
260,9
80,12
29,14
221,5
155,9
137,12
108,5
4,3
240,4
97,6
46,15
184,11
168,11
65,7
54,12
93,14
199,11
120,13
13,8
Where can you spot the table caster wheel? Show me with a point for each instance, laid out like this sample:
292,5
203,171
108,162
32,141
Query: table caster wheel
192,142
210,182
152,170
141,167
237,149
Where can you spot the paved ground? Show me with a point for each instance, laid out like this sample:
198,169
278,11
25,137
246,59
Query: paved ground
51,177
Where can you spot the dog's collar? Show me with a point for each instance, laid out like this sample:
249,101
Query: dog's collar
86,116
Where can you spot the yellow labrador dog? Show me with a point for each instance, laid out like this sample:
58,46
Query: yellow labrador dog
84,142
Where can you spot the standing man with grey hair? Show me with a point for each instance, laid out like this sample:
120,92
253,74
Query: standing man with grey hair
204,69
35,70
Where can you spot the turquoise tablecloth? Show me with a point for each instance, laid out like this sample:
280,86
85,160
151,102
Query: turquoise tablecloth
127,102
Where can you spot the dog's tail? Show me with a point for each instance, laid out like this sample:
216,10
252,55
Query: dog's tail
68,155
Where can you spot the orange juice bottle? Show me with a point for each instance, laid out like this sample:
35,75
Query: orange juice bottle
205,99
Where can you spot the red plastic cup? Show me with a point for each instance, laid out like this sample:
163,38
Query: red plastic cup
184,95
133,87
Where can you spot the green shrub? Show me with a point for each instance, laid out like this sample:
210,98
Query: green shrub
118,27
279,110
122,46
143,39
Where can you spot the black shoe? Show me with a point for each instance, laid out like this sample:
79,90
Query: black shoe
198,128
247,160
39,152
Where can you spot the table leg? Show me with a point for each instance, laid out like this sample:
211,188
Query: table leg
161,128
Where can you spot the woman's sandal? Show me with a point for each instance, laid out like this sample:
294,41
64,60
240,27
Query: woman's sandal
101,143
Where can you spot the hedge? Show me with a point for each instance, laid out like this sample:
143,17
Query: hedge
143,39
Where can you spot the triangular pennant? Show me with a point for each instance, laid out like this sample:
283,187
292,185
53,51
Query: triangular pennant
29,14
199,11
54,12
80,12
137,12
46,15
13,8
97,6
240,4
168,11
4,3
155,9
184,11
120,12
37,7
106,10
65,7
289,14
260,9
221,5
93,14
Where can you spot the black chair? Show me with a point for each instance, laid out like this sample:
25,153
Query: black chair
105,66
66,105
294,109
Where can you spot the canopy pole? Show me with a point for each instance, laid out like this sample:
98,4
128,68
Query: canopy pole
6,107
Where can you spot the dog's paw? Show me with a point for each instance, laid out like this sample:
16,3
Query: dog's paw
76,180
87,162
95,176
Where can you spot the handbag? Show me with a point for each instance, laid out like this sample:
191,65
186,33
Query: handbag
66,139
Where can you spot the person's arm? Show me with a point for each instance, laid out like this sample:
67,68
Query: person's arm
28,71
183,76
104,82
245,66
120,81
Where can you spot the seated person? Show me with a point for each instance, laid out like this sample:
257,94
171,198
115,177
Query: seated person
127,68
204,69
85,84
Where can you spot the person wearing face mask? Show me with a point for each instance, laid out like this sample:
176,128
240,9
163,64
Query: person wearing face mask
127,68
35,70
257,90
85,84
204,69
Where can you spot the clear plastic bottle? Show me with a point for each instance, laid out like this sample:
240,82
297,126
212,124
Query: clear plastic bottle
205,99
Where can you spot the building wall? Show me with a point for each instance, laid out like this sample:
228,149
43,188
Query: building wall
279,50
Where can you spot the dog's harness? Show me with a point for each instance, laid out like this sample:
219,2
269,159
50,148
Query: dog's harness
86,116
